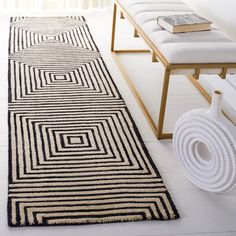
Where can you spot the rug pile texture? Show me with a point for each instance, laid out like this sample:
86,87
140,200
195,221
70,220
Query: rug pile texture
75,154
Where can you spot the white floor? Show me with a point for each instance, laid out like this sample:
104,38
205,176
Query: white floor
201,213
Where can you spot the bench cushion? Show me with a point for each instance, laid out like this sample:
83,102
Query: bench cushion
196,47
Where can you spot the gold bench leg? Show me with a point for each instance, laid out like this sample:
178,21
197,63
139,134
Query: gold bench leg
113,34
158,130
162,111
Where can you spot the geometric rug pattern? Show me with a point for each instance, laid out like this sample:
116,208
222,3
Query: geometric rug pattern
75,154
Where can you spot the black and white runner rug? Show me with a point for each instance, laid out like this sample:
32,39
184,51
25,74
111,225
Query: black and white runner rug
75,154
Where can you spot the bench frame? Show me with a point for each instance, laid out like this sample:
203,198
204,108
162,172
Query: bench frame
157,56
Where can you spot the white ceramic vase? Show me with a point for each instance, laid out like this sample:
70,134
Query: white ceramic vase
205,143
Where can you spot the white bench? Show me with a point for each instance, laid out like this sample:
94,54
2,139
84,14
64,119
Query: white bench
192,54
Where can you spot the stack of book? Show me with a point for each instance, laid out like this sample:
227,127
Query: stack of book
184,23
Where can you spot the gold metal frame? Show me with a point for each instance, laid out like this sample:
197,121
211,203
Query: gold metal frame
157,56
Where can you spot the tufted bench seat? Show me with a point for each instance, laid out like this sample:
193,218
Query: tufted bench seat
194,53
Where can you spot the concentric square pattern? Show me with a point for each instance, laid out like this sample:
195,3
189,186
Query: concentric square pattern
76,156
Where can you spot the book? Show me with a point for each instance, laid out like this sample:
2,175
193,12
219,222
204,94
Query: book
184,23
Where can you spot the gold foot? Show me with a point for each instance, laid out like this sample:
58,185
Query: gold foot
223,73
154,58
136,33
122,15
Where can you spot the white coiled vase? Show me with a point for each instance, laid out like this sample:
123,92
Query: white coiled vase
205,143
